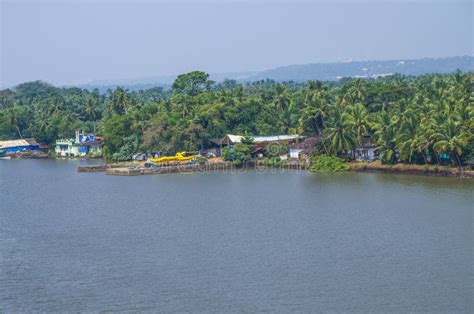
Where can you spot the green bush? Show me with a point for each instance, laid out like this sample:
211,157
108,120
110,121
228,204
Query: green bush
324,163
272,161
94,155
126,151
239,153
276,150
201,160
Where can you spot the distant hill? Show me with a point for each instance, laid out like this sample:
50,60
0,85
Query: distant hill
314,71
367,69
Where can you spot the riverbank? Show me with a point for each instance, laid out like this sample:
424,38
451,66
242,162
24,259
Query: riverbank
139,168
28,154
177,168
428,170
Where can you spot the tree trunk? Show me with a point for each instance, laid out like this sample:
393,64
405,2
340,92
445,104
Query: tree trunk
424,158
324,145
437,157
457,159
18,130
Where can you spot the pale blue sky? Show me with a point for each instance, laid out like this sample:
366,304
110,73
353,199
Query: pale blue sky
73,41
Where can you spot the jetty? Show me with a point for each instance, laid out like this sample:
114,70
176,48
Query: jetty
93,168
141,170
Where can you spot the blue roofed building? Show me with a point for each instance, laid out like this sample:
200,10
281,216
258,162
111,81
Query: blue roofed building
80,146
15,146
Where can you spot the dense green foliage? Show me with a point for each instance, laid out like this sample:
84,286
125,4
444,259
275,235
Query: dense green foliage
240,152
273,162
324,163
412,119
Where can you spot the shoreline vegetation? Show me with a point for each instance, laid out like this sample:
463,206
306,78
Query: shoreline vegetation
429,170
138,168
404,121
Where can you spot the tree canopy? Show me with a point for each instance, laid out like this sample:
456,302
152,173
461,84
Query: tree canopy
412,119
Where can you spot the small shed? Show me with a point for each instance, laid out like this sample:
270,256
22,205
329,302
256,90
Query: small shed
366,151
259,150
212,147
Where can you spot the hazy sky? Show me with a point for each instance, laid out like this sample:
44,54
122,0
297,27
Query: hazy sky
73,41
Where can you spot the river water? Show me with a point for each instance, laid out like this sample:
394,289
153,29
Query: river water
232,242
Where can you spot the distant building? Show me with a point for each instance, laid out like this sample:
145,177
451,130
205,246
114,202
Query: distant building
82,145
231,139
212,147
366,151
15,146
259,150
304,148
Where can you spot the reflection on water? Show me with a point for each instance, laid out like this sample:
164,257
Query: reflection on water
247,242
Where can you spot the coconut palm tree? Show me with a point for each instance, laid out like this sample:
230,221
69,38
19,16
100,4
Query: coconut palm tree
357,91
120,101
385,136
359,118
340,132
282,103
55,106
451,138
13,118
89,111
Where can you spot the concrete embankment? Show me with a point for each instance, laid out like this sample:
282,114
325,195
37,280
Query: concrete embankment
92,168
136,171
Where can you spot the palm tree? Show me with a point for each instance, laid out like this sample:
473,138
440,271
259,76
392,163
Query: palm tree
120,101
55,106
42,122
13,117
357,91
282,104
314,112
282,101
385,133
89,111
409,137
451,138
359,119
340,132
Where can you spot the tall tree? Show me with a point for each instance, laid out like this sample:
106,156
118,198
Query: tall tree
192,83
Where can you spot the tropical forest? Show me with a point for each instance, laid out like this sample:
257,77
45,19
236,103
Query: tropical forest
424,119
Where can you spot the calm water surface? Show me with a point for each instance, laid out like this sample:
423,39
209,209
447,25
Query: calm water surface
232,242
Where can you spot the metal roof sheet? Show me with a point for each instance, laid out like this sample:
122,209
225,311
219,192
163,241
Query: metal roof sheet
13,143
258,139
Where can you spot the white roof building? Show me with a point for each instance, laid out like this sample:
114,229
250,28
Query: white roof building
232,139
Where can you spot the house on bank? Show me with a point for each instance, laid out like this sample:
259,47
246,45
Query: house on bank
80,146
264,144
231,139
214,146
303,149
366,151
16,146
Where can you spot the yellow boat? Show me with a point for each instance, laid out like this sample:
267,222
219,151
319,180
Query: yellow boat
181,156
